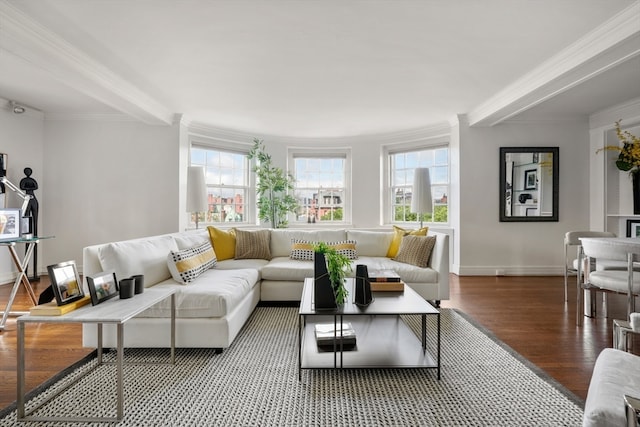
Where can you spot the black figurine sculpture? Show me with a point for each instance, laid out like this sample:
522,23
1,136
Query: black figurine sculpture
29,185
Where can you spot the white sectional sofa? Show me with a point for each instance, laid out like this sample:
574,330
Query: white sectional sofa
211,310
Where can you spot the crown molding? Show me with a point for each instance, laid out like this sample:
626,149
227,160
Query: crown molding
89,117
437,130
610,44
32,42
629,110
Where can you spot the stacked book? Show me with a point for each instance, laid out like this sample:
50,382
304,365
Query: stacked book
53,309
328,333
385,280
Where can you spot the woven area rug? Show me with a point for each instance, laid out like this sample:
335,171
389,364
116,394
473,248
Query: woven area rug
255,383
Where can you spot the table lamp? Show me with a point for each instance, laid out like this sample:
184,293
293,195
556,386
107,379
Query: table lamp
421,200
196,191
25,197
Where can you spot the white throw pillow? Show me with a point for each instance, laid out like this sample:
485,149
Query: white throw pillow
187,264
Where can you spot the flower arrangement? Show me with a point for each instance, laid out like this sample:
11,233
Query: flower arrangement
629,157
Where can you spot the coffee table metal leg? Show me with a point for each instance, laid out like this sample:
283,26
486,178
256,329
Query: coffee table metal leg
120,378
424,333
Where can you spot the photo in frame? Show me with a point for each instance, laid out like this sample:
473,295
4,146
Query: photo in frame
633,228
102,286
65,281
10,224
530,179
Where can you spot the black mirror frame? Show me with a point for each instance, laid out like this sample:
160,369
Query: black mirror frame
503,181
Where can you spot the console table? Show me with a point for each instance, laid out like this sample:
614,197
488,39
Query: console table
21,278
116,311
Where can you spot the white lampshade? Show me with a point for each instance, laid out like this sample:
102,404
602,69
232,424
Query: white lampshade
196,190
421,200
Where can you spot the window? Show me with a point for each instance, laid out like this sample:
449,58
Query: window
401,168
321,186
227,179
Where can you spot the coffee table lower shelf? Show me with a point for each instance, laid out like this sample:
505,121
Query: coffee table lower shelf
382,341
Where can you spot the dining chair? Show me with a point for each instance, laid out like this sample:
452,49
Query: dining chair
572,241
625,281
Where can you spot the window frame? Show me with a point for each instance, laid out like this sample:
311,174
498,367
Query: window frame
320,153
388,151
206,143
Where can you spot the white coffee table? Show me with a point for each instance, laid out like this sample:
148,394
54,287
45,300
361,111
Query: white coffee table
383,340
116,311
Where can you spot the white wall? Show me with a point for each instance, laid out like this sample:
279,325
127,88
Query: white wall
21,138
520,248
107,181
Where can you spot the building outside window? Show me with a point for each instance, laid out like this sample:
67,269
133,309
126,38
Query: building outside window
321,187
227,179
401,168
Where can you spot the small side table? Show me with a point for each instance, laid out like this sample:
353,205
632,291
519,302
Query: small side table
21,278
621,333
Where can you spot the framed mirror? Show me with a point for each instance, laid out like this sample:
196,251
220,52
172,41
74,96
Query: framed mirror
529,183
3,172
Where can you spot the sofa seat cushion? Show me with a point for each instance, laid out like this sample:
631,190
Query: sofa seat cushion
232,264
215,293
615,374
285,268
409,273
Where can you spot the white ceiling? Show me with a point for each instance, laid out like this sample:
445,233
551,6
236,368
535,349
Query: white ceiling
319,68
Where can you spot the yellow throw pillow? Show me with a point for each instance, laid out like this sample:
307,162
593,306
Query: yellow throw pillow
398,234
224,243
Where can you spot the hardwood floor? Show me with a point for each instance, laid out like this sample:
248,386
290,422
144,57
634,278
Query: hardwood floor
527,313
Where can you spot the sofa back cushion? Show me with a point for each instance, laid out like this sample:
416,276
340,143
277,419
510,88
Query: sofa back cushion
139,256
281,238
189,239
371,243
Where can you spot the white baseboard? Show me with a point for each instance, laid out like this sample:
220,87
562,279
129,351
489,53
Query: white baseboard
503,270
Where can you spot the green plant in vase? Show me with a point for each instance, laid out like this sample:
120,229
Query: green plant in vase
338,265
628,160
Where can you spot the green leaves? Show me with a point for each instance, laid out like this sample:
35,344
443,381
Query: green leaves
337,265
273,187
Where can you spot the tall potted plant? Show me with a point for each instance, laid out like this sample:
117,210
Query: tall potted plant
273,187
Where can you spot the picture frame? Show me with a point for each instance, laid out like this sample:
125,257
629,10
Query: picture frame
633,228
102,286
535,157
65,281
530,179
10,224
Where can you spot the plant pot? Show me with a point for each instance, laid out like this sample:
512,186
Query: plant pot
323,291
